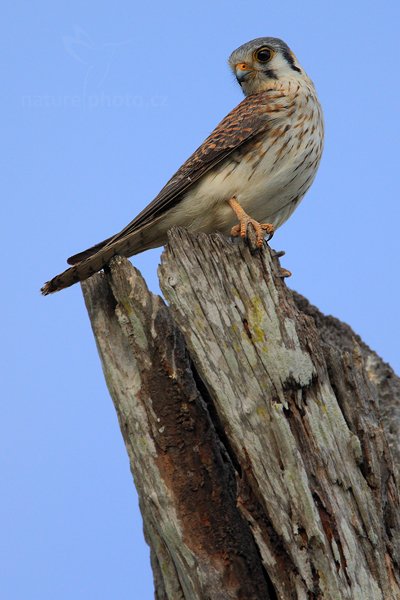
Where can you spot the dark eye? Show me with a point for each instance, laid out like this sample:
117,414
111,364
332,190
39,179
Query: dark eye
263,55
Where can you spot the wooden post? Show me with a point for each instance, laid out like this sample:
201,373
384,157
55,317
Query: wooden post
261,434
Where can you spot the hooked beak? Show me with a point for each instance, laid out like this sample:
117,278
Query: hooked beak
242,70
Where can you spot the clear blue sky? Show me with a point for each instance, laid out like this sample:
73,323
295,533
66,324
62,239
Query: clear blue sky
100,103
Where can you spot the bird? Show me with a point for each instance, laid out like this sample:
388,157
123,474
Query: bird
252,171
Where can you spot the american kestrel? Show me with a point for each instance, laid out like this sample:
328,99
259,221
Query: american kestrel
254,168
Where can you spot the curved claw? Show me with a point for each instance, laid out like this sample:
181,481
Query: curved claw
259,228
245,220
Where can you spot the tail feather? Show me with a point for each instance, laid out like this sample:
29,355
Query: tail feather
77,258
87,263
80,271
96,258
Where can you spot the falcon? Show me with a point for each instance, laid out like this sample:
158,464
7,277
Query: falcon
252,171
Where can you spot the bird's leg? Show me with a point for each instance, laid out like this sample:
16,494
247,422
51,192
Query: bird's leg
245,220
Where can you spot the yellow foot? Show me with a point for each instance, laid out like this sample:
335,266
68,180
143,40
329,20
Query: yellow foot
261,229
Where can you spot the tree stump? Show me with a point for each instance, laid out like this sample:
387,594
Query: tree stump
262,435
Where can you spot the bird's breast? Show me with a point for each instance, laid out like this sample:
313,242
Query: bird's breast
269,175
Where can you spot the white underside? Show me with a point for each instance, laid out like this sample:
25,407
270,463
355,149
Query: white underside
268,190
263,196
266,196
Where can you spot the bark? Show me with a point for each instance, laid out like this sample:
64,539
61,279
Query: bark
261,434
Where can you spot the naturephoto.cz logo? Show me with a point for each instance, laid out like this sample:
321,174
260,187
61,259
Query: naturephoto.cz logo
95,61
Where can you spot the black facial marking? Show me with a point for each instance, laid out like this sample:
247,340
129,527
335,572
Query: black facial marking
270,73
289,58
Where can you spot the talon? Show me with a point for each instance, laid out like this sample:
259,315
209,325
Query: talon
236,230
245,220
268,228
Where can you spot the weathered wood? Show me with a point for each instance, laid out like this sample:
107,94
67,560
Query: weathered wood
385,385
201,545
255,429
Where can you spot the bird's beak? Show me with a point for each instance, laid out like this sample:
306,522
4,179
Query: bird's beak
242,70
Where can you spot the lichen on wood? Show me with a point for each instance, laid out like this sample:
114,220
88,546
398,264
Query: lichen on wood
257,429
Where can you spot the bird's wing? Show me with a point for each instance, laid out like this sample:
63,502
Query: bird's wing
250,119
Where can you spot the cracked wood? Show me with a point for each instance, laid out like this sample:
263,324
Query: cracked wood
257,429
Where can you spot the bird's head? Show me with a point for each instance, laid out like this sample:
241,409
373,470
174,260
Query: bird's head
260,62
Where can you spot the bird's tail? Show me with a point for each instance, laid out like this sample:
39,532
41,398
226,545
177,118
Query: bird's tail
80,271
131,240
94,259
77,258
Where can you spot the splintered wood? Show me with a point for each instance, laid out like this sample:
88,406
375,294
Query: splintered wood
255,427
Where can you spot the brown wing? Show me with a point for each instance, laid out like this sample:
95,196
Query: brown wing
248,120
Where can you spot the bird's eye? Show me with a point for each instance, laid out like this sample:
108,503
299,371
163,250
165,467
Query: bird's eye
263,55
